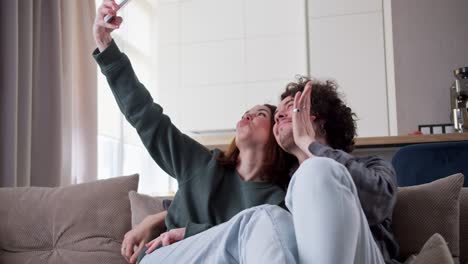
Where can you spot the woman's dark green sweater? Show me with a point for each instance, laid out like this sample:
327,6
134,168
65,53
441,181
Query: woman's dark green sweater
209,194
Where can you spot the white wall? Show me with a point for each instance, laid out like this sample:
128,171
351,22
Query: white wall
217,58
430,41
347,44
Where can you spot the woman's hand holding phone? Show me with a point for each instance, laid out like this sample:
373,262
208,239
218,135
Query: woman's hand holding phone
102,29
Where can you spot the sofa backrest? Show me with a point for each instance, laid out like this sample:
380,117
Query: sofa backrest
82,223
424,163
464,226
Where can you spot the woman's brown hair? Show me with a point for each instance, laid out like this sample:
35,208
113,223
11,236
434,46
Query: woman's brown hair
276,167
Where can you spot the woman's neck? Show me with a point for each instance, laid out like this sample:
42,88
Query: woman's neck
249,164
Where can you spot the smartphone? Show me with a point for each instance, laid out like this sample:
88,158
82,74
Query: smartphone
109,18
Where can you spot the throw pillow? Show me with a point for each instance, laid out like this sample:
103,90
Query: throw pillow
434,251
464,226
426,209
82,223
143,205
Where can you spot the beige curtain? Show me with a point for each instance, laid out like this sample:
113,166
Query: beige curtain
48,113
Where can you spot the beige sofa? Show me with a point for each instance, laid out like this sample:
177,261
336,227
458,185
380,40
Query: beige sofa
85,223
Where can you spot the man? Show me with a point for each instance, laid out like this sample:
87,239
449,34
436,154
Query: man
341,205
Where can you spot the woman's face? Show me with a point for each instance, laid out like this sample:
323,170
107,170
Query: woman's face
255,126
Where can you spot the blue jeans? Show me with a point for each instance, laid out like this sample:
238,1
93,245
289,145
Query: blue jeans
240,240
329,223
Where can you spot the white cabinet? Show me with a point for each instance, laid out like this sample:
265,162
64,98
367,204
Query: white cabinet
274,17
213,62
211,20
275,47
350,49
265,92
168,20
330,8
276,58
219,57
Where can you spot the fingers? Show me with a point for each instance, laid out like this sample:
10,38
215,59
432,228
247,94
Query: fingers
104,11
297,98
304,104
117,21
295,115
135,255
307,94
303,131
124,250
128,251
102,23
166,239
111,3
307,105
155,243
304,101
108,8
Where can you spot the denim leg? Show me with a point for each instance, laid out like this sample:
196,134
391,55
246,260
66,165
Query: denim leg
143,253
262,234
269,237
329,223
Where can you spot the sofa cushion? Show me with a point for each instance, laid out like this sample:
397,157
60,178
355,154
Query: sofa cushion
143,205
464,226
434,251
426,209
83,223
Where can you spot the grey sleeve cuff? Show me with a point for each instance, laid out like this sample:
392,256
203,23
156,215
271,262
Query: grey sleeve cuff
321,150
109,56
317,148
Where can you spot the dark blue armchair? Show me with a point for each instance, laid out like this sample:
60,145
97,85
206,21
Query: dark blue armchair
423,163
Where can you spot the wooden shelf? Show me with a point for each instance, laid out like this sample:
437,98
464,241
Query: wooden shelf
222,141
215,141
397,141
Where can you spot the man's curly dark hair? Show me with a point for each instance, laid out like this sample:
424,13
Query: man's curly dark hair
334,120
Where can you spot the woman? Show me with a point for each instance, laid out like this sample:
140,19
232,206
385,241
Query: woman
213,186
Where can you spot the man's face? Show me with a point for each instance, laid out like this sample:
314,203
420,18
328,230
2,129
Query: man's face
283,124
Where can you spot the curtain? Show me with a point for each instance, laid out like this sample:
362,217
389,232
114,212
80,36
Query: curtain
48,116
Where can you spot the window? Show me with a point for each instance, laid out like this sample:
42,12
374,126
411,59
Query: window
120,151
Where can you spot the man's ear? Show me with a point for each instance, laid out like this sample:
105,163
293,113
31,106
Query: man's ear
318,125
315,122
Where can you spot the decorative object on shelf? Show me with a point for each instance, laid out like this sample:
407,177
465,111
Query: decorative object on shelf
459,100
436,129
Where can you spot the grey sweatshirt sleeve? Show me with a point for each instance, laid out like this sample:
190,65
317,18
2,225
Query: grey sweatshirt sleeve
374,178
175,152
